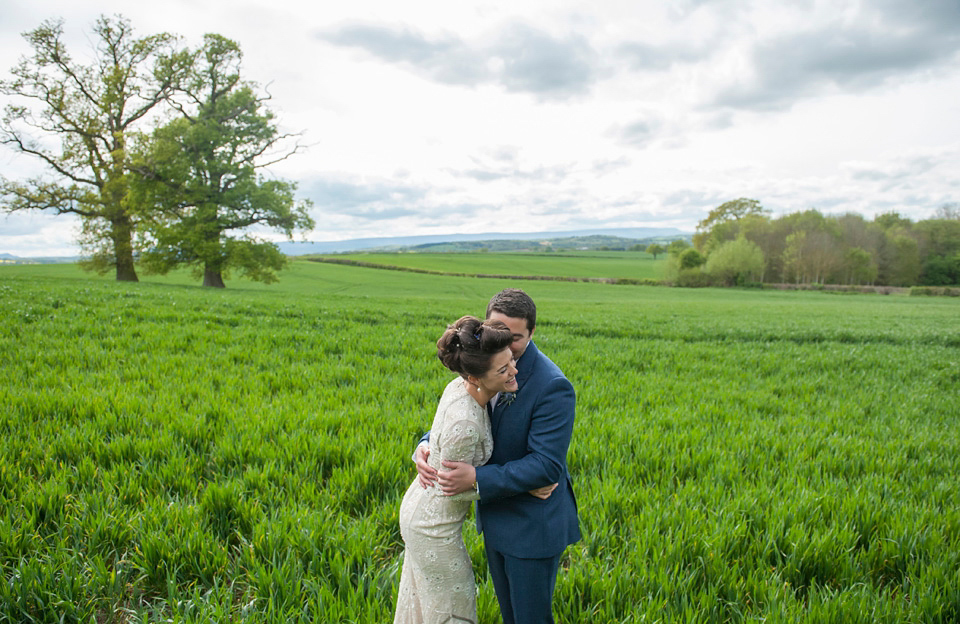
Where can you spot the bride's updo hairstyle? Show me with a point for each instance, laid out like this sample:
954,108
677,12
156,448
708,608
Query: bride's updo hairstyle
468,345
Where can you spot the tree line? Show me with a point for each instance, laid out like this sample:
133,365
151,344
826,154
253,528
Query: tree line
159,148
739,243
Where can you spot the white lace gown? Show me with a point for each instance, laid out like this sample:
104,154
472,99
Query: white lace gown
436,582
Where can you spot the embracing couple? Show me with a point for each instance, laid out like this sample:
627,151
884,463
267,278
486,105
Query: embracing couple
500,438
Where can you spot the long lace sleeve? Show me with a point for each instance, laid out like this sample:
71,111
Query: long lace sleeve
462,442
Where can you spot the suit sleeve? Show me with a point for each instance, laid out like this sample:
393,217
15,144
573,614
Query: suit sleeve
551,427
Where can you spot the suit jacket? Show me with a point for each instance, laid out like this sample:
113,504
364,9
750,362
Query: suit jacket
531,436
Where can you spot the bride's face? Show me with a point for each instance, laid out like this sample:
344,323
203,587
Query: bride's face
502,376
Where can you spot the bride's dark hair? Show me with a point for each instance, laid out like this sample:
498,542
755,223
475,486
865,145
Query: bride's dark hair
467,346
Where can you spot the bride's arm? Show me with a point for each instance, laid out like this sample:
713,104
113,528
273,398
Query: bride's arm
461,443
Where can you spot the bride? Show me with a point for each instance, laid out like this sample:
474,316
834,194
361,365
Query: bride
436,582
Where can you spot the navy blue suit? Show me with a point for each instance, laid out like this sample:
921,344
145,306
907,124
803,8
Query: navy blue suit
531,436
525,536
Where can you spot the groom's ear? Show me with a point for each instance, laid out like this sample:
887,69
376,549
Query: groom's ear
532,329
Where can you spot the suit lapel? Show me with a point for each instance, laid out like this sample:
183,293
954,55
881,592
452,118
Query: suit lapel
495,418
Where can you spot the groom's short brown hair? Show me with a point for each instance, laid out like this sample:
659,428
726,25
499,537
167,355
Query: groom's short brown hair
514,303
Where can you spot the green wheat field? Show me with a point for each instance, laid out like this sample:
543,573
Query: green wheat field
176,454
580,264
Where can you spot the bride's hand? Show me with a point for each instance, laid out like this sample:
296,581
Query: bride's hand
425,472
544,492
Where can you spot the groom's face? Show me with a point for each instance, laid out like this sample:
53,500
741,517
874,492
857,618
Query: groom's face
518,327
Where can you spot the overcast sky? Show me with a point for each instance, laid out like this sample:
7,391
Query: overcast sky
436,117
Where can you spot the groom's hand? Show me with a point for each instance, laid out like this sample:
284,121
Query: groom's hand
544,492
425,472
458,478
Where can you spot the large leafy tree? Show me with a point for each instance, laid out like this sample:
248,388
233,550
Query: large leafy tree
202,175
736,262
939,240
859,266
723,222
77,120
813,252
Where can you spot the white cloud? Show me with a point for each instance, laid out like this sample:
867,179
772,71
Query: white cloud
441,117
31,235
520,58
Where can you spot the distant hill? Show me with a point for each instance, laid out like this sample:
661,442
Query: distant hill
594,242
611,238
6,258
494,241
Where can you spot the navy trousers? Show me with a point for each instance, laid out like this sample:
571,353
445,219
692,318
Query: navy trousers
524,587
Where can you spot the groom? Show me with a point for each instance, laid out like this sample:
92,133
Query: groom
524,536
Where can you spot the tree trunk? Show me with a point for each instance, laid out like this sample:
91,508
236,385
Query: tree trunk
213,278
125,269
123,249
